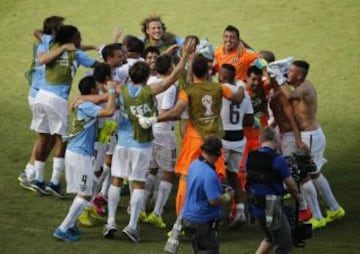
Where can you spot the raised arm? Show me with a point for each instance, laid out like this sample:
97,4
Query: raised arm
161,86
47,57
110,105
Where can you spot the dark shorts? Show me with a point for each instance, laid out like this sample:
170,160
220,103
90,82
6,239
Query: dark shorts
204,237
281,238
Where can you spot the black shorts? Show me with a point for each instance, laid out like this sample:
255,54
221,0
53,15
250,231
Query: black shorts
281,238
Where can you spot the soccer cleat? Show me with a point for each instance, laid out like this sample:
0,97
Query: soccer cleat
317,224
67,236
334,215
24,182
239,220
54,189
22,176
92,212
99,202
143,217
39,187
85,220
109,231
131,234
155,220
75,230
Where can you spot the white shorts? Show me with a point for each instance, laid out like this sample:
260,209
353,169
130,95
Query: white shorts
50,114
163,158
288,143
31,101
79,173
318,143
131,163
232,160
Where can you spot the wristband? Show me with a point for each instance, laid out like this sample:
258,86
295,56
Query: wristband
111,91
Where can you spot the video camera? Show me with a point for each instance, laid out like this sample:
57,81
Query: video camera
300,165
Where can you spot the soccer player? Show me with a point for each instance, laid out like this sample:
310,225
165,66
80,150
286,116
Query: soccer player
304,102
36,73
233,52
50,106
79,152
234,116
164,145
133,152
156,35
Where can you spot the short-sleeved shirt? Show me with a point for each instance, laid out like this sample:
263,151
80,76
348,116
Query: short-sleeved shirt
83,143
262,189
202,186
241,62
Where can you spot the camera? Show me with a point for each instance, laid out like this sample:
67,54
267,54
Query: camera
300,165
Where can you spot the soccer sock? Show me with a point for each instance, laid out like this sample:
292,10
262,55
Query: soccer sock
325,191
302,202
150,179
39,170
76,208
113,201
58,166
240,209
162,197
106,181
136,202
310,194
29,171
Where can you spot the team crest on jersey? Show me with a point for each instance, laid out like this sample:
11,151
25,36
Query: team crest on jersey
207,101
235,59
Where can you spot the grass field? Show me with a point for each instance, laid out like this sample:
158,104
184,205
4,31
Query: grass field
325,33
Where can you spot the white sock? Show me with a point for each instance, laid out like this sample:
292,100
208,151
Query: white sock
136,202
310,195
29,171
240,209
325,191
162,197
58,166
106,182
76,208
302,202
39,170
113,201
150,179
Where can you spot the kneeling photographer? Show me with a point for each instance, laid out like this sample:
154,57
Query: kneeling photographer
267,172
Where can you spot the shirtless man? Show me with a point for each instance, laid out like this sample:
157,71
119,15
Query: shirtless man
304,102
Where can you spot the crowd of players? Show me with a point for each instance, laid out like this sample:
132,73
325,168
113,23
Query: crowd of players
122,132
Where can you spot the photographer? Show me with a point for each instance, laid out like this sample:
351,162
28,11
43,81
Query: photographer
204,199
266,173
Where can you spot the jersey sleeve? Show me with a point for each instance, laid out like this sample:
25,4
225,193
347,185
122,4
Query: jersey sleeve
90,109
248,108
83,59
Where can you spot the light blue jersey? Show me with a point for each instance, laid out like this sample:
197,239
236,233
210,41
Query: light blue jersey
125,129
83,143
37,74
63,90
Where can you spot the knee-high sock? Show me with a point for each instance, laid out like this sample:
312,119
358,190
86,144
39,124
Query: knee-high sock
113,201
58,166
150,179
76,208
162,197
325,191
39,170
310,194
136,203
106,182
